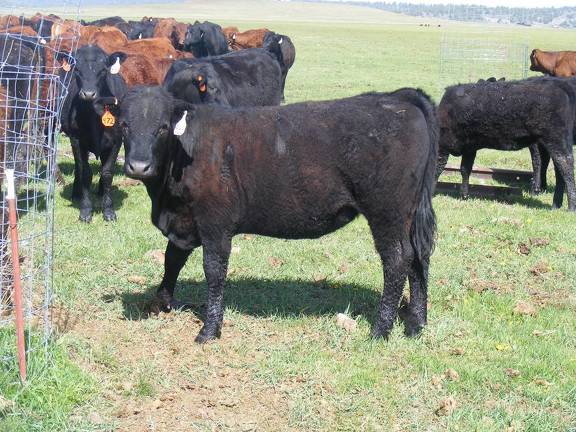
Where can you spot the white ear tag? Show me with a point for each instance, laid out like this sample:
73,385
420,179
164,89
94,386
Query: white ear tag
115,68
140,36
180,127
280,41
43,41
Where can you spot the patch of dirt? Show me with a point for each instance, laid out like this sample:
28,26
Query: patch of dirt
185,384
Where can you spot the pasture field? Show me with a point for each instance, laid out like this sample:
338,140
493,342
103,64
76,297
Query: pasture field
500,347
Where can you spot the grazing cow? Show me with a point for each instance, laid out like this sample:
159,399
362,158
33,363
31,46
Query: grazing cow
205,39
511,115
248,39
249,77
296,171
95,75
555,63
281,44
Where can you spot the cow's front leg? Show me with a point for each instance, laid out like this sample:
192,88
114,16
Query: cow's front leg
109,157
216,255
86,183
174,260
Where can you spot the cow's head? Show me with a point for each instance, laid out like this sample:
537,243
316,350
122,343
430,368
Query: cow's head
96,73
150,119
194,35
537,62
197,83
141,30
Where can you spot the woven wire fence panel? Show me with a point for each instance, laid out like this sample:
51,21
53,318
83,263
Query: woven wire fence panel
35,67
466,60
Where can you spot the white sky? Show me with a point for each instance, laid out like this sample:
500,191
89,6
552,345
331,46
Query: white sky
510,3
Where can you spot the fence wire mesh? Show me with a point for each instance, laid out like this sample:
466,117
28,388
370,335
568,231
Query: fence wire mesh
468,58
33,82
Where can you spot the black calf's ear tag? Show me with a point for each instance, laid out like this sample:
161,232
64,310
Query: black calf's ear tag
180,127
108,119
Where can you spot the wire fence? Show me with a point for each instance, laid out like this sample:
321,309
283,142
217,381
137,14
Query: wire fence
35,68
468,59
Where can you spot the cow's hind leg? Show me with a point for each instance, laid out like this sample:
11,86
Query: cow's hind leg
216,255
466,169
536,156
564,168
395,255
414,313
109,157
442,161
174,260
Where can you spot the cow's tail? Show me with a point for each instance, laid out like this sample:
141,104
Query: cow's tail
423,230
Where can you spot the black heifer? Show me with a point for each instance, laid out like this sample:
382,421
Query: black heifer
283,45
82,122
293,172
140,29
250,77
205,39
510,115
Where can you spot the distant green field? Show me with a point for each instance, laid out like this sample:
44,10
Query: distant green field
282,364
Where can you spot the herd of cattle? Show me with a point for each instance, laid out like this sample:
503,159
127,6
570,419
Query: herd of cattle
198,110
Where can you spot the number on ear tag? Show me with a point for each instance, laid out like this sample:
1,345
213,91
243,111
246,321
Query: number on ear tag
108,119
180,127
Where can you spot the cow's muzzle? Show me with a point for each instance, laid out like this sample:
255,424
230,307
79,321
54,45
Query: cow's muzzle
139,169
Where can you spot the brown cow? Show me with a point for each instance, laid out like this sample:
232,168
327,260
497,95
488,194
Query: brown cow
110,39
172,30
154,47
555,63
247,39
21,30
139,69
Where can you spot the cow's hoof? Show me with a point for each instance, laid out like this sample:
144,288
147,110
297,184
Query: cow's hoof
535,192
175,305
85,216
380,333
464,197
206,335
110,215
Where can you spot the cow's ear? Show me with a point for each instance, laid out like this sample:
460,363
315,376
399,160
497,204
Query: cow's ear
65,60
115,60
103,104
181,115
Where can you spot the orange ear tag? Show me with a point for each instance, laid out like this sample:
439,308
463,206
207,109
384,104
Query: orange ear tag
108,119
66,66
202,88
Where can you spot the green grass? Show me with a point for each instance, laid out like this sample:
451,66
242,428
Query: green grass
282,363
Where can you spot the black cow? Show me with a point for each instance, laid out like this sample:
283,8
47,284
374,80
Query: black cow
511,115
141,29
110,21
82,122
282,44
205,39
250,77
293,172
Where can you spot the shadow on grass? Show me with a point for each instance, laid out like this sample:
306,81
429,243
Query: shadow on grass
264,298
118,195
529,202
